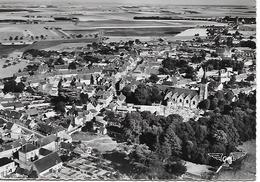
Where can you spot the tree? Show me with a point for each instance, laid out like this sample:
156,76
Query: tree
232,80
72,65
60,107
222,130
94,45
213,103
139,159
126,91
216,40
174,119
155,95
149,139
154,78
214,54
9,86
145,164
142,95
220,95
137,41
169,64
33,175
10,38
205,104
251,77
176,168
230,41
19,87
91,79
83,98
88,127
249,43
73,82
229,96
133,126
190,72
59,61
60,84
174,141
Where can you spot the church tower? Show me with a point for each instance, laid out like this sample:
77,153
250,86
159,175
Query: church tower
203,87
204,79
203,91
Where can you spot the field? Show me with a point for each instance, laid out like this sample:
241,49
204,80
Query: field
103,143
5,50
25,31
66,46
10,70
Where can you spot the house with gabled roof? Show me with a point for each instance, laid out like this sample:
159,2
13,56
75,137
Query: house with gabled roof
12,105
113,105
44,152
7,150
194,102
106,98
16,131
48,142
7,167
180,99
50,163
26,154
121,99
187,101
90,106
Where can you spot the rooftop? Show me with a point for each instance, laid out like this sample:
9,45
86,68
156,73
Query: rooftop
44,151
4,161
184,91
47,162
28,148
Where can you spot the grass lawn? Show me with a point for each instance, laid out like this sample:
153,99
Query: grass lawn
84,136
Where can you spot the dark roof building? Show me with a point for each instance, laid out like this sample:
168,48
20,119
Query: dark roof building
2,122
8,125
44,151
48,139
27,148
4,161
184,91
45,129
47,162
67,146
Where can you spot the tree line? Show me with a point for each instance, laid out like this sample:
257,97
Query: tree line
143,94
167,140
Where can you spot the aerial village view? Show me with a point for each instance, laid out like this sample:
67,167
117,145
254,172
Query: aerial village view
126,90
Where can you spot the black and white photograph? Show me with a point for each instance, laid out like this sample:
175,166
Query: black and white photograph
128,90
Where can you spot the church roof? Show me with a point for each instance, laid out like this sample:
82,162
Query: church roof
183,91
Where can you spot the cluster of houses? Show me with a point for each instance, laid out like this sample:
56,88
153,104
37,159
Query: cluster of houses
33,134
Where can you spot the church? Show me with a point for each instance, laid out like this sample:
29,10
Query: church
186,98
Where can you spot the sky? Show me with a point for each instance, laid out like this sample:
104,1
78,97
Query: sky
137,2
